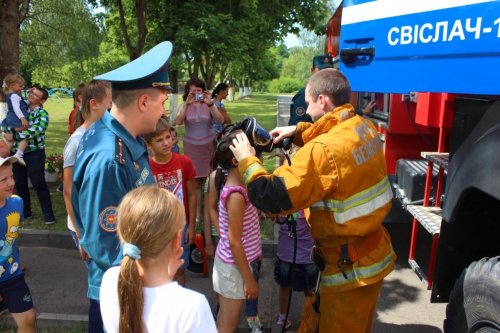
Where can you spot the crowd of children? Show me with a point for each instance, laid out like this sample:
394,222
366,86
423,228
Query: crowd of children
156,227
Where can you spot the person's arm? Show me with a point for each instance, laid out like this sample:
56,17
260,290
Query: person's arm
192,205
207,230
236,205
16,106
95,206
38,126
312,175
67,186
225,114
213,203
181,114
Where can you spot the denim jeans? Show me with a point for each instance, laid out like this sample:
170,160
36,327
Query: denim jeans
251,306
35,170
95,318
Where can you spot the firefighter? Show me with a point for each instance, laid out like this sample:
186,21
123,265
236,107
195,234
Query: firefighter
298,107
339,176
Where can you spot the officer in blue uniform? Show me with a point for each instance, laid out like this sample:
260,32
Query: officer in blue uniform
298,107
112,160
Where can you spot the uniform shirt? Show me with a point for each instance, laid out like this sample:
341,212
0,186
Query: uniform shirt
167,308
109,163
38,120
10,215
298,108
174,175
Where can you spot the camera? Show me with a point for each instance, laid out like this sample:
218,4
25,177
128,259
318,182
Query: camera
199,97
259,137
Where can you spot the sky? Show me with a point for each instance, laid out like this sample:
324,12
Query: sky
291,40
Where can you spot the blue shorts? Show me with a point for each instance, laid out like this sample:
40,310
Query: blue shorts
186,248
16,295
304,277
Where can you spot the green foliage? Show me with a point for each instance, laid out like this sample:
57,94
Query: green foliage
285,85
298,64
54,34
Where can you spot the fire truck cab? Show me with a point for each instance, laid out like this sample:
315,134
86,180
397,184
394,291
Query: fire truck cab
433,66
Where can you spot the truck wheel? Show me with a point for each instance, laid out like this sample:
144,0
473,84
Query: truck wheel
195,259
474,305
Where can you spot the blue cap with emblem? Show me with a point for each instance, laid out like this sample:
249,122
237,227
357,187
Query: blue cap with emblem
323,61
147,71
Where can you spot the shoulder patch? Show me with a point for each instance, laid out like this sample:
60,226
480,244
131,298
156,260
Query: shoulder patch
107,219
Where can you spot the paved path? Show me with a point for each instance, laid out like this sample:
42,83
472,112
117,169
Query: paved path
57,278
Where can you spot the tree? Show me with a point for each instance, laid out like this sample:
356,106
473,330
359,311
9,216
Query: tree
208,36
55,34
12,14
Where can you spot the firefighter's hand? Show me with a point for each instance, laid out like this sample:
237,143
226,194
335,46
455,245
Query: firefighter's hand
279,133
251,288
241,147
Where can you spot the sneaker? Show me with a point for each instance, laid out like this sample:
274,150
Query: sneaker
281,320
50,222
254,324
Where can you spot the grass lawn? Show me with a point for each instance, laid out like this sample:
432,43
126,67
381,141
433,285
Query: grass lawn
260,106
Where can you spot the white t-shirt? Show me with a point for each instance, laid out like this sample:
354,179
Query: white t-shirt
69,156
167,308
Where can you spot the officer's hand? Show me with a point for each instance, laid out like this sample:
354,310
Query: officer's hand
83,254
279,133
241,147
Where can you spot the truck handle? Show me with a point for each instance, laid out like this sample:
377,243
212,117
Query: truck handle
362,55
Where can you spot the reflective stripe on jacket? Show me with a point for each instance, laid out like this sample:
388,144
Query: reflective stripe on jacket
340,174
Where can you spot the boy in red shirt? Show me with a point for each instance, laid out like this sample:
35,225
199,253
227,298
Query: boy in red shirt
174,172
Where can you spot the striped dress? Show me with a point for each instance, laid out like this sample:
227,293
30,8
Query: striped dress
250,237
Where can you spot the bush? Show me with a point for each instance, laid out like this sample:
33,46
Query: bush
285,85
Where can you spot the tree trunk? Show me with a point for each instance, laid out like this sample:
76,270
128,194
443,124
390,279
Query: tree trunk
134,51
9,37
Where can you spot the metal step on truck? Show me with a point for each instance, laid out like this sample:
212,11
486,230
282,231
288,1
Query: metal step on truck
433,67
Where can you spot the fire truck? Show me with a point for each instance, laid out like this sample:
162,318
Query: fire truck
433,67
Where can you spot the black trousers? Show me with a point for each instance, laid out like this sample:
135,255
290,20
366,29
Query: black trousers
35,170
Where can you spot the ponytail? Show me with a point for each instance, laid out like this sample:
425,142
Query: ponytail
130,298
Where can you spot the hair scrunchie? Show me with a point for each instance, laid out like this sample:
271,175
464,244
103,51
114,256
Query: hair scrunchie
132,251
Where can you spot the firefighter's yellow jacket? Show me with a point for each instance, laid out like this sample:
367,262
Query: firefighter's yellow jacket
339,176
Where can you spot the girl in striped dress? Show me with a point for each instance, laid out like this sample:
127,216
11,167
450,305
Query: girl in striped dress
240,247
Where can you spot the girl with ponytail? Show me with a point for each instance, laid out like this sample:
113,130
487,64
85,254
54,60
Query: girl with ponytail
141,295
235,273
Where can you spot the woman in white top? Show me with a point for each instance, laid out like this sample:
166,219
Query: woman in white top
96,98
141,295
